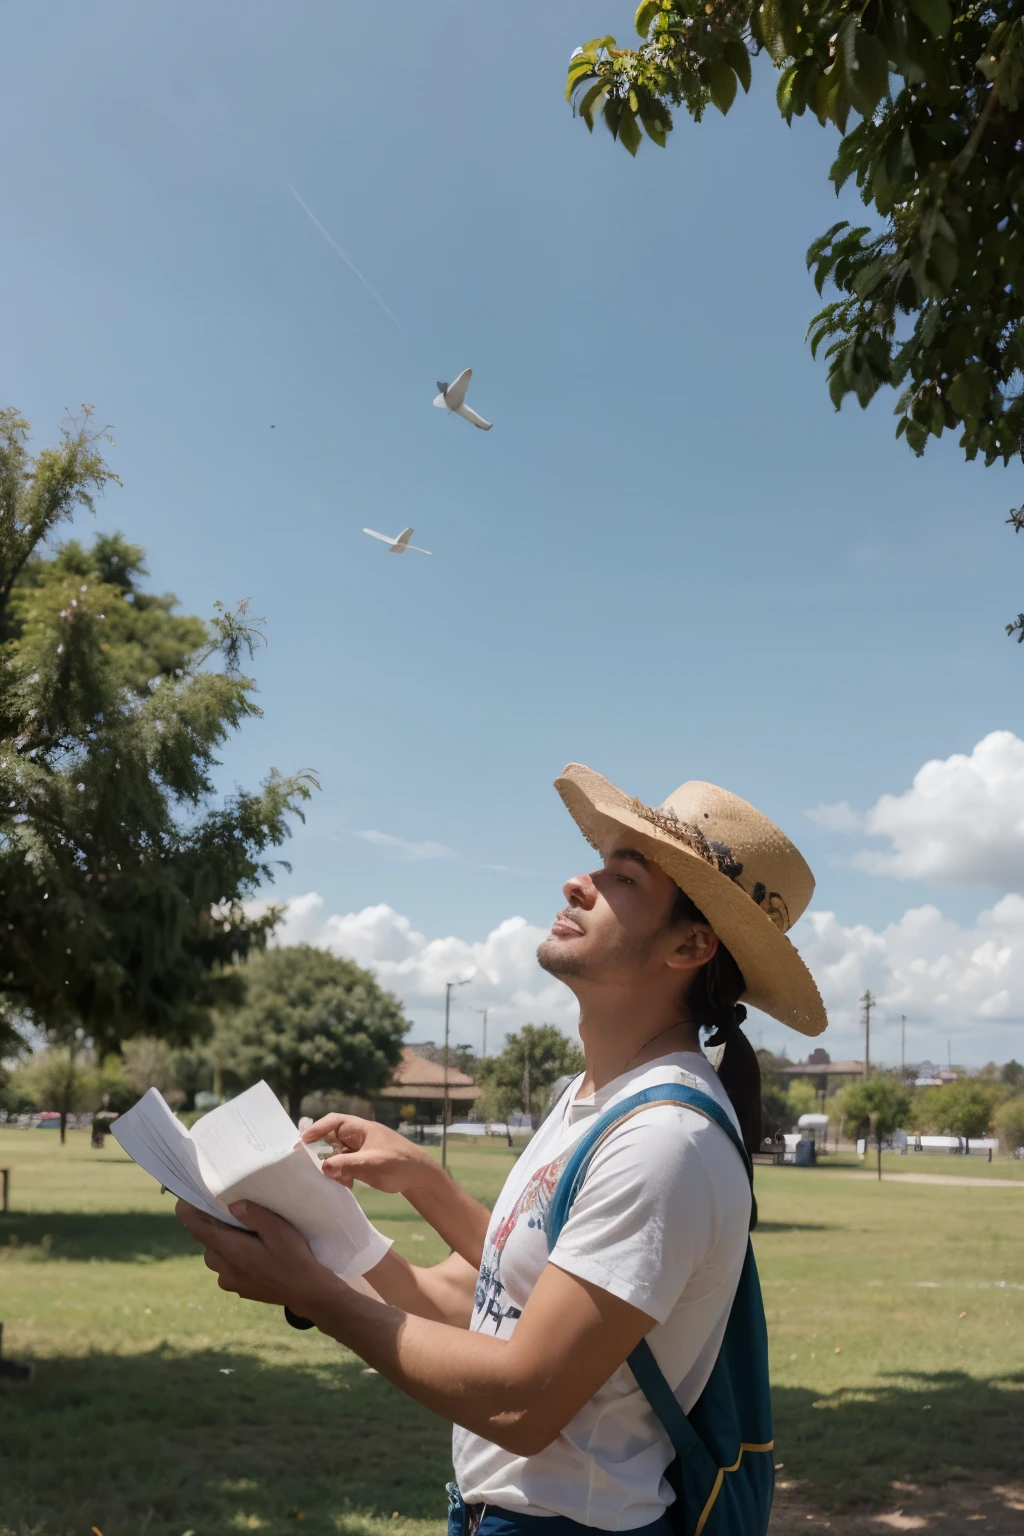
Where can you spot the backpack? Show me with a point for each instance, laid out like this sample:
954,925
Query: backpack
723,1474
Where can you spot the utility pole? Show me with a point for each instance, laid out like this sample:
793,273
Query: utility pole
868,1002
903,1042
483,1048
444,1110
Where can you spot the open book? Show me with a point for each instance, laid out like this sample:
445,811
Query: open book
249,1149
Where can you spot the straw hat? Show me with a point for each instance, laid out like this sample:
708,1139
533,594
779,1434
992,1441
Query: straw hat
743,873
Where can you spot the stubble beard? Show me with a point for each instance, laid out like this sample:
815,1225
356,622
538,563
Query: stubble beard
556,958
563,960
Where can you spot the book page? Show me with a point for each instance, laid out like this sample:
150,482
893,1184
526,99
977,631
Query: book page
249,1149
327,1214
155,1139
243,1135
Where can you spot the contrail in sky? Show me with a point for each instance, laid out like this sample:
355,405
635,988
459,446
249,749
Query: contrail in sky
336,247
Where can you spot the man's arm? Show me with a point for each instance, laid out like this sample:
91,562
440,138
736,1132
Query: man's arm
374,1155
518,1393
442,1292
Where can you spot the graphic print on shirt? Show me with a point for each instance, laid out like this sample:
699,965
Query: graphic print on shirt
532,1206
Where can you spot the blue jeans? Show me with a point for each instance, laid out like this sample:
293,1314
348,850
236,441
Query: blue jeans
506,1522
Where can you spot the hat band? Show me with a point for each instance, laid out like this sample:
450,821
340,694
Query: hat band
719,855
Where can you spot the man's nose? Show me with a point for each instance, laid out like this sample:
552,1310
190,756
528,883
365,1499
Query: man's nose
580,891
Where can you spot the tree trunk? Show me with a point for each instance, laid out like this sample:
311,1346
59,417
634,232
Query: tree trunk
295,1096
878,1142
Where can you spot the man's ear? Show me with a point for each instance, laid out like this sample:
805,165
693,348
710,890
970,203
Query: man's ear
698,947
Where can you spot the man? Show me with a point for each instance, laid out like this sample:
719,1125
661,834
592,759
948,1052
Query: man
524,1350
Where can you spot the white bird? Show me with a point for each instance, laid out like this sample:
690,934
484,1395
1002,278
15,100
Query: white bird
453,399
399,545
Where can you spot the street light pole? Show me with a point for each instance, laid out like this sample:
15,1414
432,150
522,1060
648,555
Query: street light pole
444,1112
483,1048
903,1041
868,1002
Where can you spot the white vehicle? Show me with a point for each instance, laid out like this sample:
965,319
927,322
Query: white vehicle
453,400
399,545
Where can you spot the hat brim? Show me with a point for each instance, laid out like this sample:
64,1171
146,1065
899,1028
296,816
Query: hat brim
777,980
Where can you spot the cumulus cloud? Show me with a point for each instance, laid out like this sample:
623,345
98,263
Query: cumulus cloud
840,817
961,823
502,968
963,983
959,982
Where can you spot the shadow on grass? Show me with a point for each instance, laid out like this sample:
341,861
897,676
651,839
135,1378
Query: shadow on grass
217,1441
794,1226
122,1235
847,1447
214,1441
125,1235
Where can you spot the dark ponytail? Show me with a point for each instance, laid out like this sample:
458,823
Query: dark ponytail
713,1002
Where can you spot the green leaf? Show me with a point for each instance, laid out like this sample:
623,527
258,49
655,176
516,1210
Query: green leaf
935,14
917,436
784,90
817,248
629,132
656,118
944,259
969,391
873,69
721,84
869,277
738,59
578,70
589,102
646,12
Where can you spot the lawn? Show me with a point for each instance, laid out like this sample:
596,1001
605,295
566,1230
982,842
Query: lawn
162,1406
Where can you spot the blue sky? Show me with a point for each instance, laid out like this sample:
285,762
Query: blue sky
670,559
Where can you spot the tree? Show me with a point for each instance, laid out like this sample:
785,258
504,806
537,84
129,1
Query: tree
123,882
879,1104
964,1108
802,1099
149,1063
312,1021
529,1063
774,1100
1009,1122
926,100
61,1079
1012,1074
462,1057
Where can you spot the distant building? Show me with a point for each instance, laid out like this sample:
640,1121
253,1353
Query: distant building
825,1074
420,1083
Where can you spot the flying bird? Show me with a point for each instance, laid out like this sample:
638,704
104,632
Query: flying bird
399,545
453,399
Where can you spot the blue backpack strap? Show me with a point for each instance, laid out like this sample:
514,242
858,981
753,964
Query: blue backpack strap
648,1374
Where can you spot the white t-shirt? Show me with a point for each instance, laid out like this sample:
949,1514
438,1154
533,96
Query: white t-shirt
661,1221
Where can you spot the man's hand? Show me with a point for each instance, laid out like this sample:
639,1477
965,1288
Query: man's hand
387,1161
372,1154
271,1263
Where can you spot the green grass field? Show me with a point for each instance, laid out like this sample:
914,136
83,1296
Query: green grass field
162,1406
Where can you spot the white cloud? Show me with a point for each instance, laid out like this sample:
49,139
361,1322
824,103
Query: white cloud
405,849
502,968
960,824
836,818
958,983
